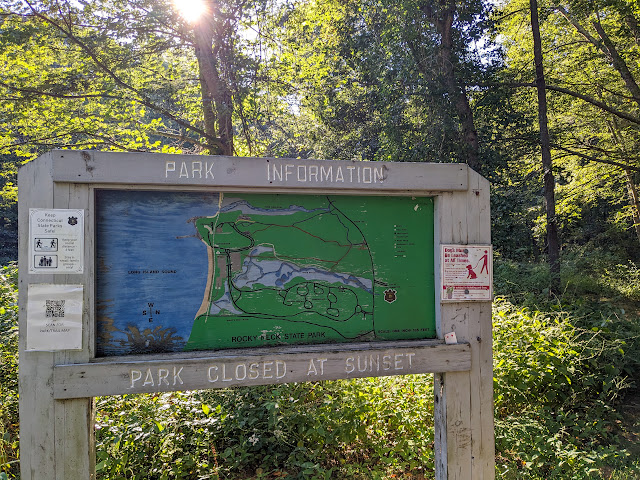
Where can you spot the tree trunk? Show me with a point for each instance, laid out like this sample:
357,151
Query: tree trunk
214,87
618,62
633,201
553,243
443,19
207,108
607,47
458,94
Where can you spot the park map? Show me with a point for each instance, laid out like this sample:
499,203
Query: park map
270,270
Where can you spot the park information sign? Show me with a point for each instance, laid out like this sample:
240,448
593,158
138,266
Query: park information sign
203,271
144,273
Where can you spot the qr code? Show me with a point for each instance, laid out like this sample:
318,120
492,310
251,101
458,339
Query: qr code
54,308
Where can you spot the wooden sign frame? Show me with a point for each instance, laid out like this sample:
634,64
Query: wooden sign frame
57,387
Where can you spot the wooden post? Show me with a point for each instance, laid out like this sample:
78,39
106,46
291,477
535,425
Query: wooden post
56,436
464,400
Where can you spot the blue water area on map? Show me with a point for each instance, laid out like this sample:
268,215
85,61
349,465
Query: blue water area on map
147,253
276,273
246,208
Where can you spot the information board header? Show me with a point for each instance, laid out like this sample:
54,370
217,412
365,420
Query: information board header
261,174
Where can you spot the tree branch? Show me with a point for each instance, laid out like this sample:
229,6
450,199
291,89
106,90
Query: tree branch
578,26
142,99
182,138
624,166
32,91
618,62
606,47
586,98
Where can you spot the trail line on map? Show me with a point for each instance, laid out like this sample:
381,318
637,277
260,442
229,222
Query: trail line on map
306,304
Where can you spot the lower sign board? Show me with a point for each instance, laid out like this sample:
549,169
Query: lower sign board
264,366
184,271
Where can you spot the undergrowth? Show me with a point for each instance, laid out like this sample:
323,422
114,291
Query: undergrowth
563,365
346,429
556,390
9,443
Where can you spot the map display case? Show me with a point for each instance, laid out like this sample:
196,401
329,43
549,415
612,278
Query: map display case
184,271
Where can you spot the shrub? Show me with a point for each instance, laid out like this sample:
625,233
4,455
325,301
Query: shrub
555,389
368,428
8,372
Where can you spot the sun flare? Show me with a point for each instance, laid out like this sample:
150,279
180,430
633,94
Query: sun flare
190,10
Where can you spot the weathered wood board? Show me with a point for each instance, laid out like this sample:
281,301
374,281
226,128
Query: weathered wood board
257,174
251,368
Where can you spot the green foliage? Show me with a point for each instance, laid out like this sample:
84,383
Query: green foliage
555,390
591,143
547,357
55,96
560,372
561,369
369,428
367,79
110,75
515,207
8,210
361,79
9,444
562,366
593,279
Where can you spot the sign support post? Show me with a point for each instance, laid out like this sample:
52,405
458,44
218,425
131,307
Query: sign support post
464,400
56,437
57,384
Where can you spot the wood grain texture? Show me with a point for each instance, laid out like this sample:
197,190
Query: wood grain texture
464,413
56,437
229,369
440,427
74,419
267,174
37,416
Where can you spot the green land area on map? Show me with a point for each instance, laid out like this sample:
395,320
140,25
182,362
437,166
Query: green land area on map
299,269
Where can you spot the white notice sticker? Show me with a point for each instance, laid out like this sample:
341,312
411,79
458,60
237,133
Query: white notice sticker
56,240
54,317
466,272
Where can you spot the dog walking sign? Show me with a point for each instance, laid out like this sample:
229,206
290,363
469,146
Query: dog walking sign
152,273
466,272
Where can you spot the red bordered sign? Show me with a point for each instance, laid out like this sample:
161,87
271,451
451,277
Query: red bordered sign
466,272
